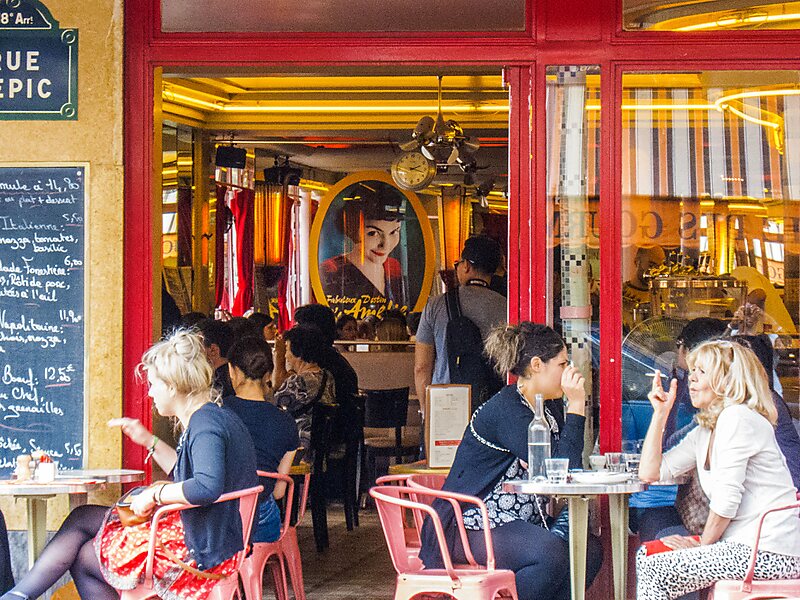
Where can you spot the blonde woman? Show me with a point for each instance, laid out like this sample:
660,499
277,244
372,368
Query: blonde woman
215,455
740,468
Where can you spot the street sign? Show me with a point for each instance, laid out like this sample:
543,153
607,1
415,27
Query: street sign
38,64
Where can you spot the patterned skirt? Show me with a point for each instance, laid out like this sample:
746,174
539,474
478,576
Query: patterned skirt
122,552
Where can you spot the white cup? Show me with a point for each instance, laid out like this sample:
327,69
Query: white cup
46,472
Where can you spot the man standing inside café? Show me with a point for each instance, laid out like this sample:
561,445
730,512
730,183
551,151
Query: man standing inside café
479,303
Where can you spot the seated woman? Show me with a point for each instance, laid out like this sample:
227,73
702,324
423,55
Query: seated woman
740,469
214,456
346,328
305,384
494,449
273,430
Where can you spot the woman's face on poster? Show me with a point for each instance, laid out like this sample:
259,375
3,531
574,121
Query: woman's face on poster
380,238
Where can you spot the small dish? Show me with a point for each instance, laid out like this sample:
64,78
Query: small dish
593,477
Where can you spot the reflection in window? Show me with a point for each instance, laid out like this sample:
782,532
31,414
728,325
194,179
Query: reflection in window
573,136
710,165
690,15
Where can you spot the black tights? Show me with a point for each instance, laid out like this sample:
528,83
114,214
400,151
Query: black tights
71,549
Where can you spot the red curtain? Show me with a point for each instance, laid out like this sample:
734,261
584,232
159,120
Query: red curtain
219,246
242,208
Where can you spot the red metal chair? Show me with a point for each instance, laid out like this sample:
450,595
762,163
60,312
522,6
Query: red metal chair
473,582
227,588
285,550
752,590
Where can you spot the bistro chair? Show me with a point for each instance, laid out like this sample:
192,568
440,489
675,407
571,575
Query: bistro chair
386,410
227,588
284,551
752,590
470,582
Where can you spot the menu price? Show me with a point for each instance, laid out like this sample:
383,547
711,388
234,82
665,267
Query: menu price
42,313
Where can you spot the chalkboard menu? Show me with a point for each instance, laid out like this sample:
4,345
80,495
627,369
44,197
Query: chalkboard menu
42,313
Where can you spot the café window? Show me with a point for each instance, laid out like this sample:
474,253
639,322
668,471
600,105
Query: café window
710,224
693,16
347,16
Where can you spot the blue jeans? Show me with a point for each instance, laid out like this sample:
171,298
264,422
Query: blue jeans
268,523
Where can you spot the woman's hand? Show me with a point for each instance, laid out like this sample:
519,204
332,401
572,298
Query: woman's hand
573,385
680,542
661,400
144,503
133,428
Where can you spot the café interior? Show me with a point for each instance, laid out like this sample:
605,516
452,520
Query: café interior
670,131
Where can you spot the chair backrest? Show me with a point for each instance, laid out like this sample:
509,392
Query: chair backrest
248,500
288,497
390,502
429,481
323,429
386,408
392,480
747,583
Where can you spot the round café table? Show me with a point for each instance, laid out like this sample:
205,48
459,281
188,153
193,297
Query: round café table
77,484
578,496
419,467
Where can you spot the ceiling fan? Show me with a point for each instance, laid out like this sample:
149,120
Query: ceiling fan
443,141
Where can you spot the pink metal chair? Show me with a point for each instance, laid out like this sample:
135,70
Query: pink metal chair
285,550
227,588
753,590
429,481
473,582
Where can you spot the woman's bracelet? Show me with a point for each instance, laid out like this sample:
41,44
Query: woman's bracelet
151,449
157,494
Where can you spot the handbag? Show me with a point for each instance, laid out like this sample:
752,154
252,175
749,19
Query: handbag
127,517
692,505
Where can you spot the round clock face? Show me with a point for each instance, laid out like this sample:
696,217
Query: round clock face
413,171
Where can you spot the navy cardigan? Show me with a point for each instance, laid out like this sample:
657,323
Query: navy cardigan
503,421
215,456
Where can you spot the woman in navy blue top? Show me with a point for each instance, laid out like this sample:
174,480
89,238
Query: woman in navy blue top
273,430
215,455
494,449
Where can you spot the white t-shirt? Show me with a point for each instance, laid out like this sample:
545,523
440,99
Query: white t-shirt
747,475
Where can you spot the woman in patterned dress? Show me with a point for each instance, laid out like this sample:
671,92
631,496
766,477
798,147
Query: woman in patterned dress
215,455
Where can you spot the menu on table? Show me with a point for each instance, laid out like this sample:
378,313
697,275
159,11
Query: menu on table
447,413
42,269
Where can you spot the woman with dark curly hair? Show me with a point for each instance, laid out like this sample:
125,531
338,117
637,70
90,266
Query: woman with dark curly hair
372,219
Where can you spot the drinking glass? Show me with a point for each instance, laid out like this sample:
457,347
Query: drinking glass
631,462
556,469
614,462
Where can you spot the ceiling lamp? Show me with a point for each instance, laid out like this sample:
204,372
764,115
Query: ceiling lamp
442,141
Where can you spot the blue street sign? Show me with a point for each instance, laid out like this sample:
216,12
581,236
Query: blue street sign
38,64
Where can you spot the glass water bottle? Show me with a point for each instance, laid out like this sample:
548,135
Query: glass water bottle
538,442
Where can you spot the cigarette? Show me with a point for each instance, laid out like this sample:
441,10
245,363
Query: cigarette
653,374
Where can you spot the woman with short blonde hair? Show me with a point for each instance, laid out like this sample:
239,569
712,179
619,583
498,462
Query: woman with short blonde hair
740,468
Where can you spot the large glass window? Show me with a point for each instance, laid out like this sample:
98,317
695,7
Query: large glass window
342,15
710,15
711,215
573,160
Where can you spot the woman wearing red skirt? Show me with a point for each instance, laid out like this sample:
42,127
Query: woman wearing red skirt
214,456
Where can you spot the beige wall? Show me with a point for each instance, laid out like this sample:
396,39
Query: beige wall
95,138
